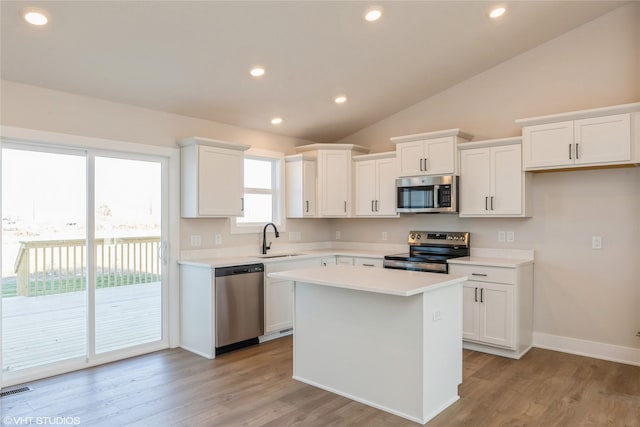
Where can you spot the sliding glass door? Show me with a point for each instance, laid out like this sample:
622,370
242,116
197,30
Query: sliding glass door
82,268
128,236
44,252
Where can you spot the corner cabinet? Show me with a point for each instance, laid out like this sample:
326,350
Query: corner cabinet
333,178
497,306
212,178
375,185
492,181
432,153
591,138
301,186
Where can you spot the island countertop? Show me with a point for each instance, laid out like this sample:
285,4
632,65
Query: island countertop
378,280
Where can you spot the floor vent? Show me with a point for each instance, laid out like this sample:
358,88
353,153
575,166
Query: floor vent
6,393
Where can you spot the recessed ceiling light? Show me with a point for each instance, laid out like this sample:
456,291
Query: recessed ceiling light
257,71
497,12
340,99
35,16
373,14
276,120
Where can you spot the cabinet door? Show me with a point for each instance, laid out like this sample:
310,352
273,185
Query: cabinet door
220,182
496,314
439,156
308,188
335,183
603,139
475,181
344,260
386,173
410,156
506,180
470,310
365,187
548,145
278,305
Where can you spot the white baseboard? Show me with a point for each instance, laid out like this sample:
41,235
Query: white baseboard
597,350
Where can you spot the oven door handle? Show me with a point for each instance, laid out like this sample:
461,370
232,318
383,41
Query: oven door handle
436,196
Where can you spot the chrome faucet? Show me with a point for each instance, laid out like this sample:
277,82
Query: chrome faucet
266,247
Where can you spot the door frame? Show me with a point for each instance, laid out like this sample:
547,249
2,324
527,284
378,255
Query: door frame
170,159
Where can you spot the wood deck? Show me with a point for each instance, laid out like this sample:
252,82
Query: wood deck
44,329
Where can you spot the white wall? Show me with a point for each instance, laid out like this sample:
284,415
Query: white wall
579,292
37,108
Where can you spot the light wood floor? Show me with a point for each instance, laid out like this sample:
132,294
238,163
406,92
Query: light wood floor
253,387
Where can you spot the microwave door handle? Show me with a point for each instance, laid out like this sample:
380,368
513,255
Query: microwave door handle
436,201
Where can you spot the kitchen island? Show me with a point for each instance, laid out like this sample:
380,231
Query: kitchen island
391,339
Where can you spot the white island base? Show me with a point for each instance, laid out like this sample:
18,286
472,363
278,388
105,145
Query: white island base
387,338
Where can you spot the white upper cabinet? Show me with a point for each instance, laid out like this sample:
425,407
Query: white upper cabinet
492,181
599,137
333,177
432,153
212,178
374,187
301,186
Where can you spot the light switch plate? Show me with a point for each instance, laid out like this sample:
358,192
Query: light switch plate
338,235
511,237
218,238
596,242
501,236
196,240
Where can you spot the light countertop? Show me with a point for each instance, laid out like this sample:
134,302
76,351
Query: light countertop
217,262
382,281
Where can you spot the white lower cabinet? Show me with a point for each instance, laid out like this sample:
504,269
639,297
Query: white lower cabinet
278,295
497,308
488,310
360,261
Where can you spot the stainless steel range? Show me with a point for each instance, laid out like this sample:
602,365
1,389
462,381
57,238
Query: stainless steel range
430,250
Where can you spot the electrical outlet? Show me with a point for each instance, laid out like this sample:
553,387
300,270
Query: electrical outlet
298,235
437,316
292,235
385,236
501,236
338,235
511,237
596,242
196,240
218,239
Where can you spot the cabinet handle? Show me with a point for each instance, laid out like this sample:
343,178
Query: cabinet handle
372,208
425,164
486,203
242,204
368,265
377,208
475,297
491,202
577,150
481,294
479,274
345,206
570,151
421,168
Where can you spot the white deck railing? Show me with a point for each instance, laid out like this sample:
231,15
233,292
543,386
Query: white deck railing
57,266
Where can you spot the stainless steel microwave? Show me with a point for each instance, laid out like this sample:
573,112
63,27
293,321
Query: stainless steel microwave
427,194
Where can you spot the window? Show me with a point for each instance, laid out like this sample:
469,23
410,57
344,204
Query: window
263,192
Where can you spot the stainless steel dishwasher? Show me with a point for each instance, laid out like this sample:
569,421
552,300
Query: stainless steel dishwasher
239,306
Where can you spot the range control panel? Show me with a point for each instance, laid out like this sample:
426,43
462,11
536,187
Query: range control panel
453,238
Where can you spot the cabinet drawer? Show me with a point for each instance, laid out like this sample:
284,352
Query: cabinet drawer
368,262
484,273
274,267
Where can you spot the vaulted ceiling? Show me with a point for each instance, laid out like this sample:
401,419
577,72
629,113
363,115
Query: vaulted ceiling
193,57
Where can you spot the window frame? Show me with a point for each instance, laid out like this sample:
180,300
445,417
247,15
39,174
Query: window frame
278,186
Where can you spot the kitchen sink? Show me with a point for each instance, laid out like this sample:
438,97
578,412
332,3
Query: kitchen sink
278,255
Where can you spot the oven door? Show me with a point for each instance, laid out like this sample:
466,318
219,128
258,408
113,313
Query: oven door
423,194
416,266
